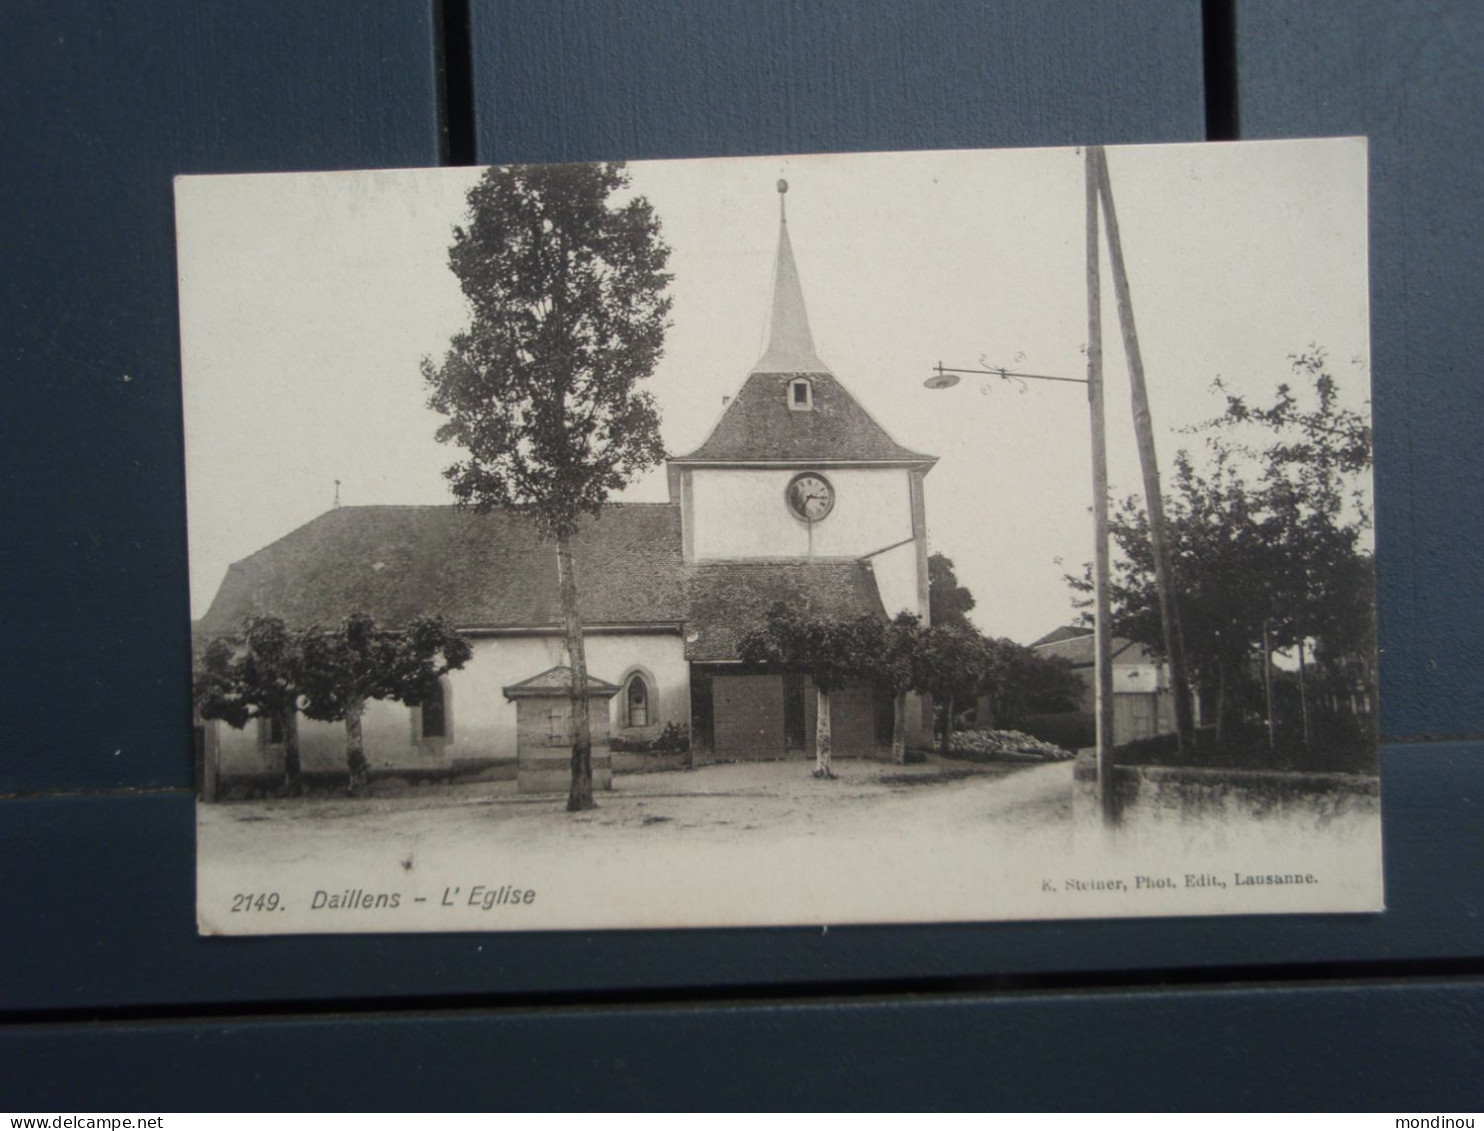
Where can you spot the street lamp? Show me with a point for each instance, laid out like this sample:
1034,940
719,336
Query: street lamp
945,377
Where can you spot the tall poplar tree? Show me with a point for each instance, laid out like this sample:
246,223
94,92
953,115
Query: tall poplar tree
564,274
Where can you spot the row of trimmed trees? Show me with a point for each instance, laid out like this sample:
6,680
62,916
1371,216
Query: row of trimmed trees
274,672
951,662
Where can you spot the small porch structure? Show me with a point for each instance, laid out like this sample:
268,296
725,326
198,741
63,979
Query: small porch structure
543,744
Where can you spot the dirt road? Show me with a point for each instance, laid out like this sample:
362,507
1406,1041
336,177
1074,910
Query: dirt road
758,843
730,803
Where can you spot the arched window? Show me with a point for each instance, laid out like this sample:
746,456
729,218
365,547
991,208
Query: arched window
636,702
433,713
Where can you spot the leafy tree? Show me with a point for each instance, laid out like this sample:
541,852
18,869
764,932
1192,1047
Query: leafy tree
948,601
831,651
565,283
346,669
260,677
1016,679
1315,456
952,662
1225,564
894,659
1024,682
1274,562
1314,451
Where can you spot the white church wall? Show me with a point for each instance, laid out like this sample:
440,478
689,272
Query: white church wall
482,722
896,579
739,513
321,746
240,752
386,731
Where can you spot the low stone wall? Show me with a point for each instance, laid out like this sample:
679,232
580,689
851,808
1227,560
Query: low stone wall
1154,794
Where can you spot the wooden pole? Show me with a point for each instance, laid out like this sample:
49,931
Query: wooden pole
1102,623
1164,573
1267,684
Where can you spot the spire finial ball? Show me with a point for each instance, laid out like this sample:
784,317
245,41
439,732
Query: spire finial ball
782,186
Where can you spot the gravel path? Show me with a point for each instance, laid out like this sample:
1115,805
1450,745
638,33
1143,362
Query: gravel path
726,802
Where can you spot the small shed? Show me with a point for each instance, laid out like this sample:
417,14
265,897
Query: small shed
543,735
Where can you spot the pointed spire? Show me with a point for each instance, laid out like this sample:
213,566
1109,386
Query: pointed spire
790,344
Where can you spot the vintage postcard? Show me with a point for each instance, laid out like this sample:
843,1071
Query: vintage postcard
871,538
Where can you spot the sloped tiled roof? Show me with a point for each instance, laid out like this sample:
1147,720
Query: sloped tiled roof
729,598
479,570
1078,646
759,425
557,680
491,571
1064,632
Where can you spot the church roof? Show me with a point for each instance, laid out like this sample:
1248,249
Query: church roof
729,598
479,570
490,571
759,425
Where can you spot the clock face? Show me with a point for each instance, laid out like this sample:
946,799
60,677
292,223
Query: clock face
810,496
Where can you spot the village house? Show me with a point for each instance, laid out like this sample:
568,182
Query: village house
1143,705
797,496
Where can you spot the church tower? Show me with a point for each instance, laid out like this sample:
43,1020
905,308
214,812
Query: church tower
797,471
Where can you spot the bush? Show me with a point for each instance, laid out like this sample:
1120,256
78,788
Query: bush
1337,746
674,739
1071,730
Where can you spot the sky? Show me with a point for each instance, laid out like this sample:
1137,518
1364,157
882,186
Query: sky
308,300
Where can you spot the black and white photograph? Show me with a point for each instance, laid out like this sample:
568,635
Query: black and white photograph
800,540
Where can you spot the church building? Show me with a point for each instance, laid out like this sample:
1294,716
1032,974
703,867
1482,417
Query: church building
797,496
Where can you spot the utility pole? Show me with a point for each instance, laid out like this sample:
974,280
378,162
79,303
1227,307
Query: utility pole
1144,432
1102,606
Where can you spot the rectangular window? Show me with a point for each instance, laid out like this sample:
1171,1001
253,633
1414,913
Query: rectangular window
434,713
885,705
794,736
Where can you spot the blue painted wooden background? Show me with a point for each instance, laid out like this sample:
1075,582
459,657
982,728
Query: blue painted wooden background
105,103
